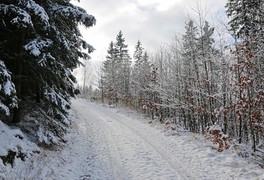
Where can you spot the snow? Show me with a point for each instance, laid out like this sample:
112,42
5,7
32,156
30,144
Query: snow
46,137
76,13
37,10
56,98
112,143
37,45
4,71
8,87
45,57
67,44
216,127
13,140
5,109
23,19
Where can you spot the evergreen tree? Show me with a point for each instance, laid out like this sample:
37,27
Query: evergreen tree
138,53
145,70
7,90
140,73
136,71
191,76
199,76
40,44
109,83
123,71
116,72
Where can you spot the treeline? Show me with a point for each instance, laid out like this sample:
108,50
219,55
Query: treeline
40,45
194,80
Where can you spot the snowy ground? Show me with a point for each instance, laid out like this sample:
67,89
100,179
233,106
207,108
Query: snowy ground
107,143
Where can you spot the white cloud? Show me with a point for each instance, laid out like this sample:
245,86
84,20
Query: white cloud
161,5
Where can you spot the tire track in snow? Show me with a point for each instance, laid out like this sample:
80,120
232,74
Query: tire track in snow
93,125
161,151
112,149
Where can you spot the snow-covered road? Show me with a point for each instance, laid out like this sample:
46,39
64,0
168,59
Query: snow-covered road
132,153
106,144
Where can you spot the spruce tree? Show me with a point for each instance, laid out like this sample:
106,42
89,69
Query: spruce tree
40,44
136,71
140,75
109,83
8,99
191,75
123,70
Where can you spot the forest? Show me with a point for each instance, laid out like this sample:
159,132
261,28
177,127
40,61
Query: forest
200,80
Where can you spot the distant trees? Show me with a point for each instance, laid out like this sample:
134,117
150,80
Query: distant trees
40,45
196,82
116,72
187,70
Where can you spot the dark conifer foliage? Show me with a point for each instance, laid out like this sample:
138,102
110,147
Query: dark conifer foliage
40,44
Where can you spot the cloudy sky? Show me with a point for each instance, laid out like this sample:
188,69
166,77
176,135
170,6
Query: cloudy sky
154,22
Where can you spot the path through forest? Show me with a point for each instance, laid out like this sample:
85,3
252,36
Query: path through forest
106,143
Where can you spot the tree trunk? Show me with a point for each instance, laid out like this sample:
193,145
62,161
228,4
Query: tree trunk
18,77
18,84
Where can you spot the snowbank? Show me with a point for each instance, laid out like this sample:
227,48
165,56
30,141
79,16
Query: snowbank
14,145
198,156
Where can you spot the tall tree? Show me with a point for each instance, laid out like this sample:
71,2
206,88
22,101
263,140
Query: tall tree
246,26
123,69
191,75
140,75
109,83
116,72
40,44
207,56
